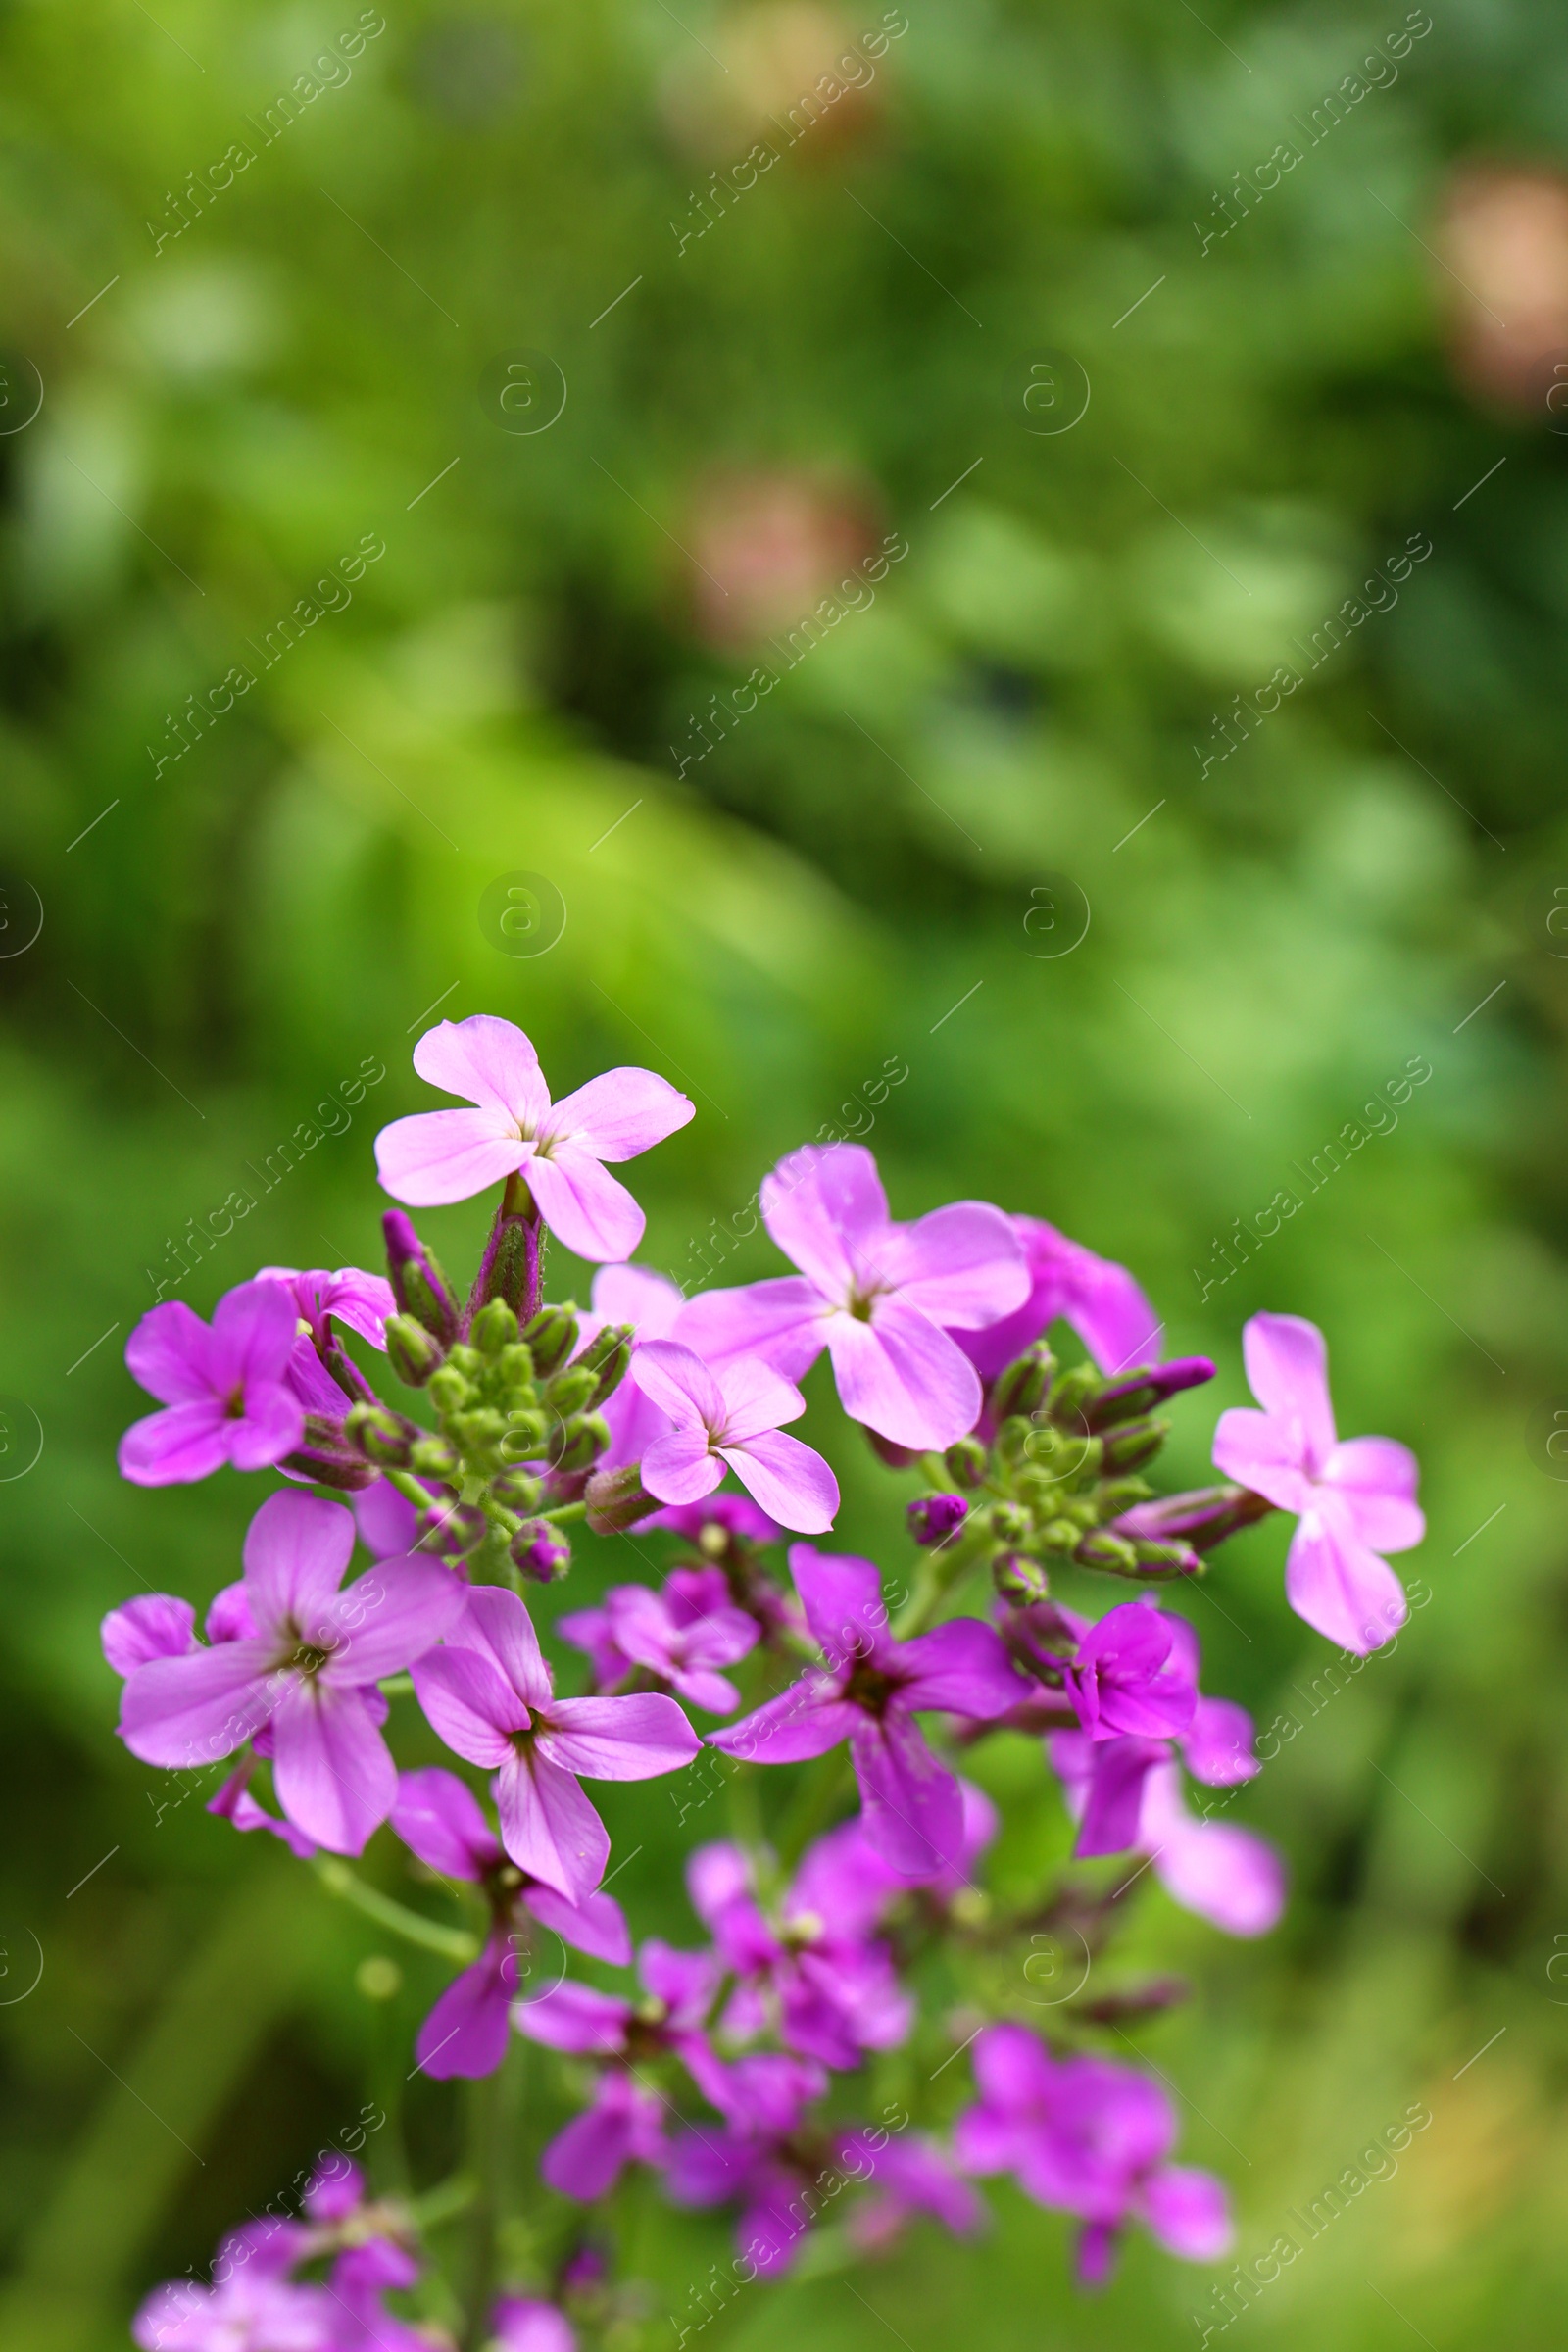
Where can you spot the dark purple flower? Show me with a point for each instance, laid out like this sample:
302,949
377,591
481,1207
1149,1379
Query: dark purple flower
488,1696
883,1299
682,1633
1354,1498
1090,2137
308,1672
869,1695
1130,1674
224,1386
910,2175
1099,1298
560,1148
817,1978
933,1518
438,1818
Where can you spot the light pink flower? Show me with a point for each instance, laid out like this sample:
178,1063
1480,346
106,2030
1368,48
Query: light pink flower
443,1155
730,1419
1354,1498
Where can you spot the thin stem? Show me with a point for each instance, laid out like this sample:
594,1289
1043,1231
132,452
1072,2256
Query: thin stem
486,2139
453,1943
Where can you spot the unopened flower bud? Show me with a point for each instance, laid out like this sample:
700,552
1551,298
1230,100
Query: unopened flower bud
582,1440
412,1352
1203,1517
1018,1577
1101,1549
1009,1522
433,1457
1139,1394
966,1462
1132,1445
541,1551
418,1285
617,1499
571,1389
551,1336
493,1328
1061,1534
933,1518
517,1489
380,1436
607,1356
1023,1385
1070,1393
449,1391
1168,1559
452,1529
524,1438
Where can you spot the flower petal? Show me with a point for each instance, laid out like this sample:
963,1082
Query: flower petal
166,1355
1218,1746
499,1627
902,1376
1223,1874
1265,1453
438,1818
618,1114
825,1207
649,1302
470,1705
466,2032
587,1209
296,1549
486,1061
633,1738
961,1666
1342,1591
578,2020
185,1441
804,1720
782,1321
390,1617
331,1768
1375,1479
1288,1372
185,1712
1188,2213
548,1826
793,1485
842,1597
441,1156
680,1384
913,1810
962,1265
681,1468
756,1398
596,1926
253,1332
155,1625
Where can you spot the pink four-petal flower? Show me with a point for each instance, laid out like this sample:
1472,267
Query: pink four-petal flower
1354,1498
730,1418
442,1155
225,1386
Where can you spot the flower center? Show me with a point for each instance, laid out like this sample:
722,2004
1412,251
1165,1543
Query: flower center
869,1688
308,1659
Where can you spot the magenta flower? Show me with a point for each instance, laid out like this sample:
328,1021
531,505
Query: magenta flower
911,2176
442,1155
1099,1298
881,1297
1353,1499
487,1694
250,2308
224,1386
438,1818
730,1419
155,1625
752,2159
523,2323
1130,1674
359,2278
1224,1873
625,2122
819,1978
869,1695
1090,2137
682,1633
651,1304
714,1521
361,1302
308,1672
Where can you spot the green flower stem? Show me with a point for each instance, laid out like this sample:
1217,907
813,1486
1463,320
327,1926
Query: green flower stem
453,1943
492,2106
566,1510
940,1571
409,1486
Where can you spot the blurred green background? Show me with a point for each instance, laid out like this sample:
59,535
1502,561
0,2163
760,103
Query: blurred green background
889,330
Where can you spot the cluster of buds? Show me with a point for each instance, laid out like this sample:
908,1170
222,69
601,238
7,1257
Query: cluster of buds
1061,1474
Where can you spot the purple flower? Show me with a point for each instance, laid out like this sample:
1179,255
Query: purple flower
933,1518
681,1634
1105,1781
442,1155
1226,1875
730,1418
155,1625
224,1386
438,1818
361,1302
488,1696
1090,2137
625,2122
235,1802
911,2176
651,1304
1353,1499
359,2278
712,1522
1130,1674
751,2160
524,2324
819,1978
881,1297
308,1671
872,1688
253,2310
1099,1298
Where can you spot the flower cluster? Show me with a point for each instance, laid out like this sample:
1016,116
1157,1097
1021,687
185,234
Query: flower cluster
735,2071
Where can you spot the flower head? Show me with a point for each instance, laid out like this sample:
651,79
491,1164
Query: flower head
869,1693
224,1386
443,1155
1354,1498
308,1671
1088,2137
488,1696
882,1298
683,1633
360,1302
730,1419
